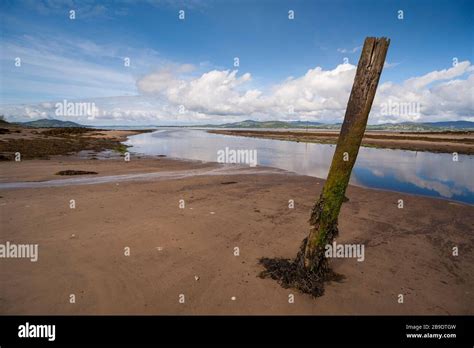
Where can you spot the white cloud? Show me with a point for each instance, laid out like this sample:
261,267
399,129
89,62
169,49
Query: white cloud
350,50
440,94
214,92
318,95
439,75
52,68
388,65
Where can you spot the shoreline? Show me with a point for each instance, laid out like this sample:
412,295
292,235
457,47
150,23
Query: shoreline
145,175
447,142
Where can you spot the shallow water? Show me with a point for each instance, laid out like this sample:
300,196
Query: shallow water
422,173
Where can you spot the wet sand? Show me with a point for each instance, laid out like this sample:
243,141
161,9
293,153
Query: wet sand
81,251
449,142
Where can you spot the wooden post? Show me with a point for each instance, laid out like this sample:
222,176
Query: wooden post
323,220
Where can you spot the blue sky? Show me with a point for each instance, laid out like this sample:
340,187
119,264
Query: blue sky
82,59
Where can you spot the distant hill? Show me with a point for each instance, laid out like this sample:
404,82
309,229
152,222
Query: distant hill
266,124
304,123
50,123
451,124
404,126
3,122
425,126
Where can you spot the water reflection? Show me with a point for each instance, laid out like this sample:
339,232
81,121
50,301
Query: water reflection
424,173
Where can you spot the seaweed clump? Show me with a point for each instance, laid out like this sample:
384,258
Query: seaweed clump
293,274
75,172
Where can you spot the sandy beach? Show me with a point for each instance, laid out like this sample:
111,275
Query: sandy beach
190,251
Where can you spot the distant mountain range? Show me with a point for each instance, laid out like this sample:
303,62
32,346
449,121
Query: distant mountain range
455,124
50,123
266,124
404,126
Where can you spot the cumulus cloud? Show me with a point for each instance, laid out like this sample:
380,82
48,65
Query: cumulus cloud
214,92
318,95
438,95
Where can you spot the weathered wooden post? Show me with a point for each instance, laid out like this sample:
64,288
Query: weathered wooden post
310,268
324,215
